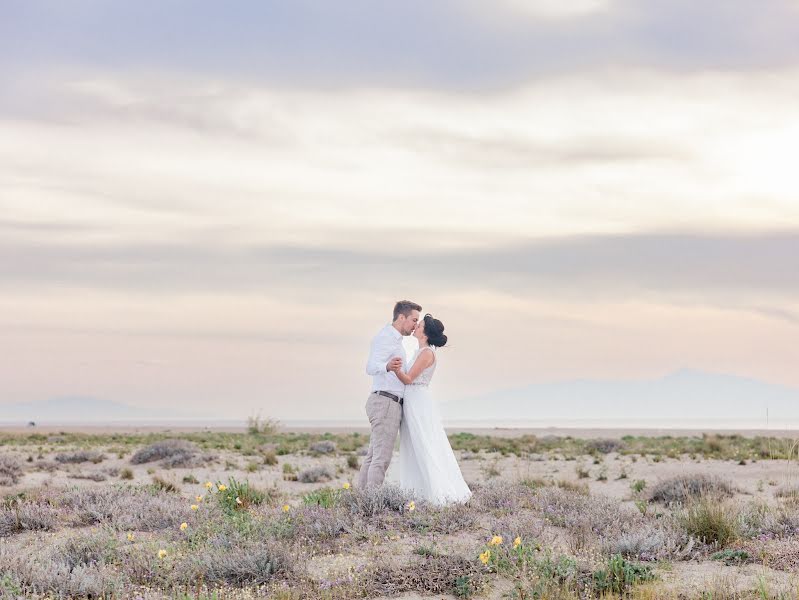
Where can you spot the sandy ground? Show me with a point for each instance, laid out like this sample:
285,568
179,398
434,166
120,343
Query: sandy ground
754,480
575,432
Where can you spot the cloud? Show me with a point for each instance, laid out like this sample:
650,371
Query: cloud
439,44
610,267
617,152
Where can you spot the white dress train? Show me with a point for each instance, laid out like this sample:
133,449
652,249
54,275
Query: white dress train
427,464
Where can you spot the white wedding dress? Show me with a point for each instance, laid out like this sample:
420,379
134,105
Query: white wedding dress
427,465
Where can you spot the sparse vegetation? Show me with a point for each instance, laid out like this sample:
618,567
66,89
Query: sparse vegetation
541,535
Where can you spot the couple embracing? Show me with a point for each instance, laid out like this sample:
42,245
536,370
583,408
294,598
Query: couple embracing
401,402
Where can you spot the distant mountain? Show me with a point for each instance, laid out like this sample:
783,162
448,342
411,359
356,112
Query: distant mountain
84,409
686,395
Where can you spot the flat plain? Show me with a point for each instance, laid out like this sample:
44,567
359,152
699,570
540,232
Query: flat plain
265,512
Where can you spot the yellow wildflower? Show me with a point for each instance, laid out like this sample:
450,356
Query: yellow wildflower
517,542
194,507
184,526
161,553
198,498
222,487
208,485
412,506
130,537
346,486
485,556
495,541
286,508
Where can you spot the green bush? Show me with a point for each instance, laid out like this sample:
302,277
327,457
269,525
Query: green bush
619,575
325,497
238,495
710,521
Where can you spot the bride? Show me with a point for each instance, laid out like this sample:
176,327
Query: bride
427,463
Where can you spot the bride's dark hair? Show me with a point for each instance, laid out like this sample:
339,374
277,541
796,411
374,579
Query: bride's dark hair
434,330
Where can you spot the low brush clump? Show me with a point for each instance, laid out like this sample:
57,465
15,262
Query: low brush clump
10,470
173,453
603,446
687,487
27,515
610,527
374,500
315,475
710,521
80,456
323,447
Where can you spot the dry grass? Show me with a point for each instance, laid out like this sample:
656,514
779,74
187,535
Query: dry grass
330,542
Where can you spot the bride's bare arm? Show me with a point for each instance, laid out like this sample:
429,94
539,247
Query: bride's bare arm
424,360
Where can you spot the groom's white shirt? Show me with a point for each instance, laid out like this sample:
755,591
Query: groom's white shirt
387,344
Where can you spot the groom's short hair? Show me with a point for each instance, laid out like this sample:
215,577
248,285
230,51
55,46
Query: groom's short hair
405,307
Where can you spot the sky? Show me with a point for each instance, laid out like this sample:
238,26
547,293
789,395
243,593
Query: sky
214,206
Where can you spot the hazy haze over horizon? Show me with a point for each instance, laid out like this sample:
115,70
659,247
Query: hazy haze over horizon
215,210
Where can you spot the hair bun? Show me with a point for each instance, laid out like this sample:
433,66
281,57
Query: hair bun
434,330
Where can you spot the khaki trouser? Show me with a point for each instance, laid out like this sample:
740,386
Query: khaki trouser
384,417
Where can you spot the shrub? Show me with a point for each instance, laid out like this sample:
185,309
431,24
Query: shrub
603,446
709,521
371,501
126,507
438,574
571,486
170,448
238,495
315,475
47,574
96,547
352,462
618,575
258,426
501,496
692,486
10,470
602,522
452,518
270,458
80,457
126,474
239,565
162,484
790,491
323,447
316,524
27,515
89,476
324,497
732,557
649,541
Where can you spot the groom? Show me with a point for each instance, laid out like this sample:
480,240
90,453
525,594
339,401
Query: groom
384,406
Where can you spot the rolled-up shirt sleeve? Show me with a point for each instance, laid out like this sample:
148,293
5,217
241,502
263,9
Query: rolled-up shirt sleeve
380,353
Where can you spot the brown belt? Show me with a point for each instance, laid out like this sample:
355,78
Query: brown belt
394,397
